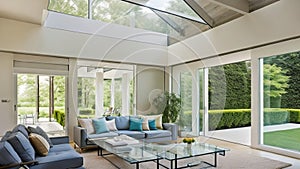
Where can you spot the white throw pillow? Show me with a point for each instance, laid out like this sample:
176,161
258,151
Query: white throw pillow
111,125
88,125
158,120
145,124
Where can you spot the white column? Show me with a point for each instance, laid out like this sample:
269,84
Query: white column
195,102
112,93
99,94
125,93
205,118
72,99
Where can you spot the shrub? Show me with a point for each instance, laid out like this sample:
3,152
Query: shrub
232,118
294,115
275,116
59,116
86,111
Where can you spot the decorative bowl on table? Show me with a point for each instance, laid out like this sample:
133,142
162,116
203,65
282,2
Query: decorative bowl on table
188,140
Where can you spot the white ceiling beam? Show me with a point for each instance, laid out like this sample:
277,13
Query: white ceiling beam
240,6
200,11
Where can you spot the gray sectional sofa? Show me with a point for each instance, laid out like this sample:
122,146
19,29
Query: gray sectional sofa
169,132
16,151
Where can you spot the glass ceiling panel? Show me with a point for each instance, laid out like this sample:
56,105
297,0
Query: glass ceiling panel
181,28
174,7
71,7
119,12
172,17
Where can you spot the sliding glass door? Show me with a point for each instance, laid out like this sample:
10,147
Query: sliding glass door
280,86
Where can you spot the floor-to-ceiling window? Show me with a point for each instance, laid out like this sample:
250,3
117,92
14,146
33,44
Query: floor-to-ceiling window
86,96
229,101
41,102
104,89
280,86
185,118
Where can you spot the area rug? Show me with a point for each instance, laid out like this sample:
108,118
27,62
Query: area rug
232,160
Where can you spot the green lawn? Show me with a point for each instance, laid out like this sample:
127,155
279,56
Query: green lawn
287,139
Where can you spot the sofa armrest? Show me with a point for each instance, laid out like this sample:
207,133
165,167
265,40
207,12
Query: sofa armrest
80,136
173,128
60,140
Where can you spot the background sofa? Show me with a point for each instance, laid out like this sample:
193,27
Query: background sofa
168,132
16,151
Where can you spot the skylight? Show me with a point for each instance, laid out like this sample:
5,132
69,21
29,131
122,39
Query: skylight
172,17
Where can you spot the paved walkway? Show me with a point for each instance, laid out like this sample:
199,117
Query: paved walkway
242,135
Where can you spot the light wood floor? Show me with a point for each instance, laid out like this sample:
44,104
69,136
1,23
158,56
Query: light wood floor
295,162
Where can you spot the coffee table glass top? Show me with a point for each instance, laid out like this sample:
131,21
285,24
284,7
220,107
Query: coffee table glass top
134,151
139,151
183,150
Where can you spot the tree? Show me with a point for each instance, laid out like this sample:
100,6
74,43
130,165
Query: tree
86,92
26,90
275,84
229,86
72,7
169,104
291,63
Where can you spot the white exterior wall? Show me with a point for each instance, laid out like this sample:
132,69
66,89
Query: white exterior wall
34,39
8,117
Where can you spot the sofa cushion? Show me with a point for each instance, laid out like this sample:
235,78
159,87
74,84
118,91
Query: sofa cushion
68,158
8,155
157,133
6,135
135,124
152,124
111,125
134,134
107,134
39,143
158,119
60,147
22,146
100,125
87,124
38,130
21,128
122,122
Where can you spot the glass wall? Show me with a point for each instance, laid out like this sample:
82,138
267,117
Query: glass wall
201,78
86,96
280,99
185,118
229,102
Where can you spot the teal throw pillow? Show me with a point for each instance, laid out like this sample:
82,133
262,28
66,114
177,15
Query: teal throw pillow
152,124
136,124
100,125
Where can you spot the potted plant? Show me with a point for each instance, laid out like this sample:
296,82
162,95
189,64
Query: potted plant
169,104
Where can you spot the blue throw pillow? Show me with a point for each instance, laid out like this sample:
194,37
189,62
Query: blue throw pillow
152,124
40,131
22,146
100,125
21,128
8,154
136,124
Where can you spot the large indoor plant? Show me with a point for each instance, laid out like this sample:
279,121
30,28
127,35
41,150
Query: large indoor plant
169,104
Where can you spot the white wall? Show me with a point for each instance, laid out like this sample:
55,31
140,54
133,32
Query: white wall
8,118
149,82
30,38
272,23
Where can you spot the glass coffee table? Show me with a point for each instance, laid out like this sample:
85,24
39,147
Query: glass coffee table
137,151
129,149
183,151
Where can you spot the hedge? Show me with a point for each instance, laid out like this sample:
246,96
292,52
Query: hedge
86,111
234,118
59,116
